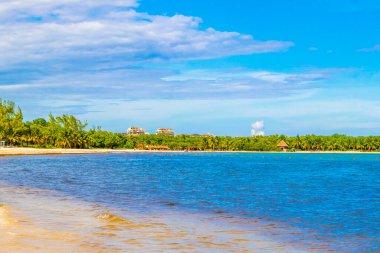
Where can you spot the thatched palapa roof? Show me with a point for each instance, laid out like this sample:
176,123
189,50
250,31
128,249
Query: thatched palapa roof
282,144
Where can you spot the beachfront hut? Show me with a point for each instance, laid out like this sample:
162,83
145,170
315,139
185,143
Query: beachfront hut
283,146
2,143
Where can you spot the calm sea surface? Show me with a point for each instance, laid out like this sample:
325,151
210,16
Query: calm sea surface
330,198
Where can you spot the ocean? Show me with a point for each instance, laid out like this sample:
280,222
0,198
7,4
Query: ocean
297,202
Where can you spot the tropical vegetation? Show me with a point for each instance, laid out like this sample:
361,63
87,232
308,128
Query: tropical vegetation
66,131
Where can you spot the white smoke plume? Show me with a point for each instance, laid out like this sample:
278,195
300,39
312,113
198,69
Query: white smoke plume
257,128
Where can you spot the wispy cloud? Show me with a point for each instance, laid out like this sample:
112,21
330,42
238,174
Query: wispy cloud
14,86
155,83
312,49
244,83
375,48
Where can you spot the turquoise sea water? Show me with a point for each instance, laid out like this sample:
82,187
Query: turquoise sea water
333,199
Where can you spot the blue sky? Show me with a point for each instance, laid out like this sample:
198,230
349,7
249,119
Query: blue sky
297,67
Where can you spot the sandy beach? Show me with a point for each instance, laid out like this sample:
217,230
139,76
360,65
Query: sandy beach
46,151
57,151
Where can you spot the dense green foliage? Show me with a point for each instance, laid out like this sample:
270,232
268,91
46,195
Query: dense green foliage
68,132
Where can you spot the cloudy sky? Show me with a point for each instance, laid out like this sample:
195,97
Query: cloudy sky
197,66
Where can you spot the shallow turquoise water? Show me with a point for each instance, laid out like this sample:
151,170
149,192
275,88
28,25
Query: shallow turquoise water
331,198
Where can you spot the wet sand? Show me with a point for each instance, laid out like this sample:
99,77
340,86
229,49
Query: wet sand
34,220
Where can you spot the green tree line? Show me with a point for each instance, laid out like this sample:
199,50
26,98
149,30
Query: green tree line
66,131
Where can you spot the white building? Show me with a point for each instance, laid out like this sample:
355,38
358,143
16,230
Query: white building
166,131
136,131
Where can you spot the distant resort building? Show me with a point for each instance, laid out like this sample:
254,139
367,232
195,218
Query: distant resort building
2,143
283,146
165,131
136,131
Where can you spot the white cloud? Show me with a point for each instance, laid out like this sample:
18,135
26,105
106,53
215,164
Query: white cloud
257,128
65,30
258,125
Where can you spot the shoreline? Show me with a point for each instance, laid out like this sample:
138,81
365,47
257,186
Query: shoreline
35,220
59,151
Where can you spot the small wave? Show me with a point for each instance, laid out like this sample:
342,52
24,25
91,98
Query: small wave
114,218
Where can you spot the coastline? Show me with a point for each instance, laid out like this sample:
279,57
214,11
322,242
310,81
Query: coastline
58,151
